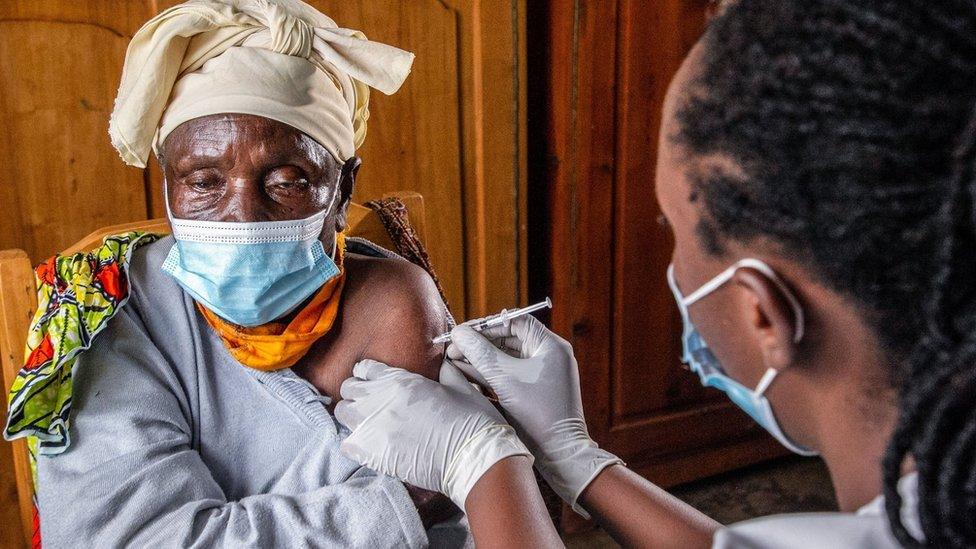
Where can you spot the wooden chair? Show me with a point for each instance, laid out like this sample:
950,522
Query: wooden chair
18,302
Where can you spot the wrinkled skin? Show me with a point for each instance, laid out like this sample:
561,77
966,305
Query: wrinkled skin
248,168
236,167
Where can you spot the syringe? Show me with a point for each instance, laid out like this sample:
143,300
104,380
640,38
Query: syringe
499,319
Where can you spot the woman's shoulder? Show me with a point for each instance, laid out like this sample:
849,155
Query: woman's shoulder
393,309
147,260
154,296
396,273
376,274
402,290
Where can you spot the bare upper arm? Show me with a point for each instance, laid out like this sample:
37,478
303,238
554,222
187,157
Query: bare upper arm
410,315
391,310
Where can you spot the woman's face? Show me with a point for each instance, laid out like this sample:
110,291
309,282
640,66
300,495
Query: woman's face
745,322
715,316
238,167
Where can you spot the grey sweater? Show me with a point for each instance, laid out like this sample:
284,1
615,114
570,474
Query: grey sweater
175,444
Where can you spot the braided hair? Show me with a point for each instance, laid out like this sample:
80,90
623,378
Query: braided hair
853,125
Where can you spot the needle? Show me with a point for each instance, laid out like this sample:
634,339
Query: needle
499,319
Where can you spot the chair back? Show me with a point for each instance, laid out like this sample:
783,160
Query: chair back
18,302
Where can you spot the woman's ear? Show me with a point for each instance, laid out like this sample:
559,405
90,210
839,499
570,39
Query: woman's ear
769,317
347,183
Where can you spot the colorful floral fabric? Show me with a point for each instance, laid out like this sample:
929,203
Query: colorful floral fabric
76,297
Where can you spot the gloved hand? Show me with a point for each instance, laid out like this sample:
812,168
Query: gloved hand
439,436
534,374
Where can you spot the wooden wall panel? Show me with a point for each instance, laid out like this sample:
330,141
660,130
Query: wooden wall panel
493,111
609,64
644,246
413,139
59,68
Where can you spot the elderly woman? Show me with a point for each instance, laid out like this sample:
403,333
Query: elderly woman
199,413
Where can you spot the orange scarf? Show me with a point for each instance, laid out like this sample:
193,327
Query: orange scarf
278,345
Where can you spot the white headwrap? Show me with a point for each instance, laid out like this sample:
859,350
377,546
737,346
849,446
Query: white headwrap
280,59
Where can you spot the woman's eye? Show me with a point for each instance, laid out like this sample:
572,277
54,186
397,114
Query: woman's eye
203,183
287,179
288,186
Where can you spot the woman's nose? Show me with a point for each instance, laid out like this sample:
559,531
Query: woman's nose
244,201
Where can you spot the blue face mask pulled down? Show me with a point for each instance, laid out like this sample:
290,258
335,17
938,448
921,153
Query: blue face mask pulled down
250,273
703,362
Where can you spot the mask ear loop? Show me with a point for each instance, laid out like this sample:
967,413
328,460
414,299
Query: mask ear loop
766,270
725,276
765,381
335,239
771,373
169,213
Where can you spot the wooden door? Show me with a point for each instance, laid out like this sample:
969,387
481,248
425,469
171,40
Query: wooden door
455,133
607,66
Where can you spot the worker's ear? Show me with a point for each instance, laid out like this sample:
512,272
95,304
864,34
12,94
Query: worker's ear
347,183
769,317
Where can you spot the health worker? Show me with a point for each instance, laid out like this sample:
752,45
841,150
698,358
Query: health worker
817,166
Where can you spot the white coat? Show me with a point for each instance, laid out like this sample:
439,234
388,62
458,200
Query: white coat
868,527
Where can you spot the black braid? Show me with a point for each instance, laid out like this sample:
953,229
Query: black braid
854,125
938,427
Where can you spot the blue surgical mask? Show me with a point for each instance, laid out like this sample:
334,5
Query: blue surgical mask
703,362
250,273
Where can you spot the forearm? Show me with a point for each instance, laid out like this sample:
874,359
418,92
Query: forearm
636,513
368,510
175,502
505,508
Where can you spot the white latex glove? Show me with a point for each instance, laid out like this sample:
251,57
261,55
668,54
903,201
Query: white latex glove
438,436
534,374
